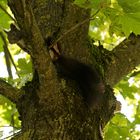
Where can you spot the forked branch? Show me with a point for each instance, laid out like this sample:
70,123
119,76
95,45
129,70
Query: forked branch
10,92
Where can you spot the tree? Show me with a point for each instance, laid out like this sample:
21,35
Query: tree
50,106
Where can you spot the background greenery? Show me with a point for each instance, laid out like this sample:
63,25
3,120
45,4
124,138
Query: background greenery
111,22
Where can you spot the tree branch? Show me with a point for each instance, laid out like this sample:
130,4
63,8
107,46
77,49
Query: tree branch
75,27
5,11
29,30
126,56
31,35
34,42
8,57
6,54
12,93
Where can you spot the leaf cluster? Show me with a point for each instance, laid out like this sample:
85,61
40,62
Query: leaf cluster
115,19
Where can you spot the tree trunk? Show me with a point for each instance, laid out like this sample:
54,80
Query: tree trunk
51,106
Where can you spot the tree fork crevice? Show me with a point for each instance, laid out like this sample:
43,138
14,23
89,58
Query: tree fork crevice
53,109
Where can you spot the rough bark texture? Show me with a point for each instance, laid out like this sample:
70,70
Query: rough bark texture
50,107
125,57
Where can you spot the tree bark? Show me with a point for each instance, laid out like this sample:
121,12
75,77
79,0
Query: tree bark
50,106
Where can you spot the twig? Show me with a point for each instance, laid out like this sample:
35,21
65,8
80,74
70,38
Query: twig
8,56
10,136
7,59
74,27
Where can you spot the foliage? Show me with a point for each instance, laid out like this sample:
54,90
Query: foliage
114,20
120,128
8,113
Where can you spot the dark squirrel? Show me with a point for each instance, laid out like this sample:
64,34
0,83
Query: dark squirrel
87,78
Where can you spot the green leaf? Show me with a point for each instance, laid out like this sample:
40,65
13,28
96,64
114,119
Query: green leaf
126,20
121,120
95,4
1,45
126,90
24,66
8,110
3,1
130,17
137,115
130,23
5,20
118,128
130,6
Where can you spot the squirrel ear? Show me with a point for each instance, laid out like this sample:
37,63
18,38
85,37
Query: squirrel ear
56,48
54,52
51,54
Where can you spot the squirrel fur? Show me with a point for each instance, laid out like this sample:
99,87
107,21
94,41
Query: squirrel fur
87,78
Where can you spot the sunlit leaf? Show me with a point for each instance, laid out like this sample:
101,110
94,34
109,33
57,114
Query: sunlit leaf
24,66
129,6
